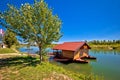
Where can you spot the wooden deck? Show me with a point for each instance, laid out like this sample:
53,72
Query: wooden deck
89,57
64,60
60,58
81,61
51,54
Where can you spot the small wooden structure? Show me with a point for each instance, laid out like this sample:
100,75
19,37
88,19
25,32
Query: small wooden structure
75,51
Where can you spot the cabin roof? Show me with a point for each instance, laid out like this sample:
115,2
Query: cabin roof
70,46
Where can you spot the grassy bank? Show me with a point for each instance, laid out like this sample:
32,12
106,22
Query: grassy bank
28,68
6,50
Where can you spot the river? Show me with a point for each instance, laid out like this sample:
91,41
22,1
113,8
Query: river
107,64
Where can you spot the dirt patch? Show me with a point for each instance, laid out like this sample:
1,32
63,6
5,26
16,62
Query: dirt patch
2,56
56,76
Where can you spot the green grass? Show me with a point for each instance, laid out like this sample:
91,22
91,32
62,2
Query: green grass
6,50
28,68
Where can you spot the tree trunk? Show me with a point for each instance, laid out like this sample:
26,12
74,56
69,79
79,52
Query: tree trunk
40,53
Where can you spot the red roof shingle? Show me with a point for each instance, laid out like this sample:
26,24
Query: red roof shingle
71,46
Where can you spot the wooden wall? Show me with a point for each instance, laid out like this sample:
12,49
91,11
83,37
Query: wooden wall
85,46
83,51
77,55
68,54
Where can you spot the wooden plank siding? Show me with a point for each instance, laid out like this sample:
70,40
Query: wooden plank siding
77,55
68,54
82,52
85,46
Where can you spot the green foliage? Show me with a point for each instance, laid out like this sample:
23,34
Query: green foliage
0,37
104,42
34,23
6,50
10,38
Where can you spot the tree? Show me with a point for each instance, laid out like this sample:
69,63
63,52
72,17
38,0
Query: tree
0,37
10,38
34,22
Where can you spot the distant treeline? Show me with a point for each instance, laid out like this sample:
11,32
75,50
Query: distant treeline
104,42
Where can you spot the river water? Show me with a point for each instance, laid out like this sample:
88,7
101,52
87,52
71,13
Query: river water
107,64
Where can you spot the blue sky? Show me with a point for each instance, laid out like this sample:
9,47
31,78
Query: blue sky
83,19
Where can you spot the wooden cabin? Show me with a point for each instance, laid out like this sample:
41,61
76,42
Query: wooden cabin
72,50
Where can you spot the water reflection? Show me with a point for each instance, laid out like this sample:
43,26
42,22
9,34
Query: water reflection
75,67
115,52
107,64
